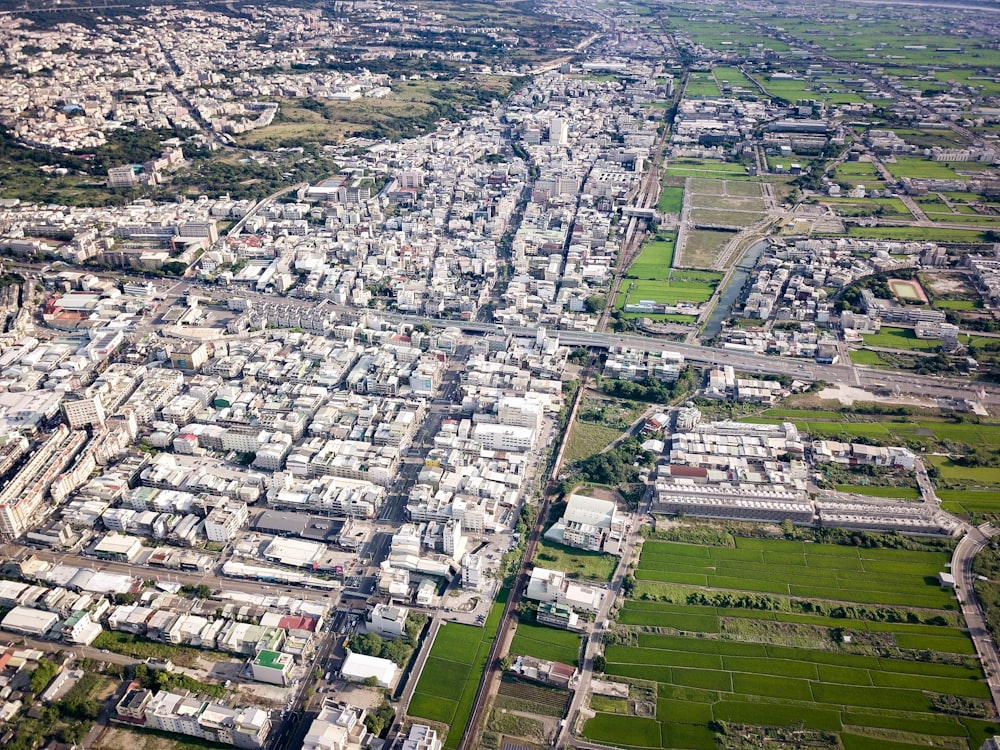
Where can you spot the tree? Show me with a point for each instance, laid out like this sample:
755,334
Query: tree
506,663
600,663
380,719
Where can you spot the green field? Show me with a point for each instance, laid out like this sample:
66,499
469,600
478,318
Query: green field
588,438
900,338
544,642
655,259
692,287
450,679
925,168
917,234
730,654
576,563
671,200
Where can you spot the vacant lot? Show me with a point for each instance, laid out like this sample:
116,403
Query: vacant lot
703,247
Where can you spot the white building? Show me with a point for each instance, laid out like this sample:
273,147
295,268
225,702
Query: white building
589,523
29,621
388,621
472,572
225,521
553,586
337,726
422,737
272,666
502,437
360,667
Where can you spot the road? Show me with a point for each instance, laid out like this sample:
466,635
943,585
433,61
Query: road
972,611
593,644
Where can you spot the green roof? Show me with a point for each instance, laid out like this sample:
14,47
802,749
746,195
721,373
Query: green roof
269,659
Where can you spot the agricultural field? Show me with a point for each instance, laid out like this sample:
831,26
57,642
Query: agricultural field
861,643
900,338
530,697
671,200
656,258
706,168
450,678
703,246
544,642
693,287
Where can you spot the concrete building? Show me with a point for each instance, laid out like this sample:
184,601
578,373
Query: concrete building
388,621
589,523
360,667
271,666
187,714
337,726
29,621
421,737
553,586
225,521
118,547
84,412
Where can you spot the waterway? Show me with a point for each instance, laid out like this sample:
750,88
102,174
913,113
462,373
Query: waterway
729,296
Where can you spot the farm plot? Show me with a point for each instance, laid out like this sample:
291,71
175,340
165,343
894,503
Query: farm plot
448,684
655,259
704,246
807,661
530,697
544,642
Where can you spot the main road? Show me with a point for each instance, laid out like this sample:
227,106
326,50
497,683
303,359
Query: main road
972,611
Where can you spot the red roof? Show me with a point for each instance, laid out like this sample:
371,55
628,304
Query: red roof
688,471
291,622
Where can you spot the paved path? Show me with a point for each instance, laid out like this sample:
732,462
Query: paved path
593,643
975,620
411,682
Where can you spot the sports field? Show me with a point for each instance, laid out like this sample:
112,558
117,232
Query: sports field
857,642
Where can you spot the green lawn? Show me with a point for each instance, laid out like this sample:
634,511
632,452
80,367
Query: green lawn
900,338
909,166
576,563
671,200
671,291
